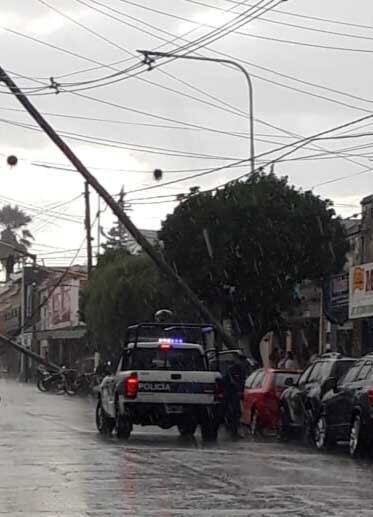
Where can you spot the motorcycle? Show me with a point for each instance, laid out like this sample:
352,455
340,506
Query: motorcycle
61,381
50,380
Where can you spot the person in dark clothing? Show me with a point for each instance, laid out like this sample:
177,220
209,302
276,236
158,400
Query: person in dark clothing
234,381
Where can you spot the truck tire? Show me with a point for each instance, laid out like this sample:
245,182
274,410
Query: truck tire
104,424
209,427
187,427
123,426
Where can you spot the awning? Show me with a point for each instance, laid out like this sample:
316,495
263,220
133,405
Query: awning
67,333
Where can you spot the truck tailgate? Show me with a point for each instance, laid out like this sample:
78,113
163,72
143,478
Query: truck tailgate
176,387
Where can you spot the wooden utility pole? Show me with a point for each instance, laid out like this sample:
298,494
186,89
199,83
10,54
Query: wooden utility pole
88,228
164,267
98,226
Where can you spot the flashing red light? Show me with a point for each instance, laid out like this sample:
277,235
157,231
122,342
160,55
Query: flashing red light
165,347
131,386
370,397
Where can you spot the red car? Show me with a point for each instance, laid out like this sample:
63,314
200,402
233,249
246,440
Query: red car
261,409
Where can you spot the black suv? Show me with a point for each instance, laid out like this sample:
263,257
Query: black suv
347,409
300,404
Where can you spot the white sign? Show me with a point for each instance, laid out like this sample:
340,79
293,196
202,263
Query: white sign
361,291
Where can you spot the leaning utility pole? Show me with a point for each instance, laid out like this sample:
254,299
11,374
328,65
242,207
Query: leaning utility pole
164,267
88,228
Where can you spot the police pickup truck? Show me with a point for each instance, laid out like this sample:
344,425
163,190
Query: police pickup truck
162,379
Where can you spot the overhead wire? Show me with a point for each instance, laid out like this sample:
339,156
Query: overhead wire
106,142
301,91
306,17
294,147
190,45
302,27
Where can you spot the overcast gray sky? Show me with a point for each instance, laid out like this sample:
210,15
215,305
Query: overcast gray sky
311,68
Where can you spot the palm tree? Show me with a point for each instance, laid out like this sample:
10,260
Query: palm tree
14,236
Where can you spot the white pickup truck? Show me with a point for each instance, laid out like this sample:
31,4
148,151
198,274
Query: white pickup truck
163,381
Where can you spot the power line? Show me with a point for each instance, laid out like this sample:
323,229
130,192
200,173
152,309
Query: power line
300,91
302,82
303,92
307,17
261,67
302,27
202,41
272,71
300,143
121,144
157,29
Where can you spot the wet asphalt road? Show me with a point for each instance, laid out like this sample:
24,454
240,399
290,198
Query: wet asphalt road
53,463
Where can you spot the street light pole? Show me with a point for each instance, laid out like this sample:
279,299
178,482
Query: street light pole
149,56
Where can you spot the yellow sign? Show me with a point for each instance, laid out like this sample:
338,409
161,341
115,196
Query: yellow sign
358,279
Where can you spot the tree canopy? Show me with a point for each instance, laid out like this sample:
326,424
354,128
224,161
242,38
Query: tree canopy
117,236
14,233
256,240
122,290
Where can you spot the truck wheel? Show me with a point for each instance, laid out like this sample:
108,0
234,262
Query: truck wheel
123,426
104,424
209,428
187,427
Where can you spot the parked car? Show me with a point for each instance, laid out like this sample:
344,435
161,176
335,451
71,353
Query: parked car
300,405
261,398
347,409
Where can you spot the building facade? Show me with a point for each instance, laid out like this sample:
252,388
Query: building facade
61,335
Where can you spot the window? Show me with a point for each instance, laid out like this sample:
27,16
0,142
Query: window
365,371
179,359
351,374
326,370
342,367
316,374
258,381
304,377
251,379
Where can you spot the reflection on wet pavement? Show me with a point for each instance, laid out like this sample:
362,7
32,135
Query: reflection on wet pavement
53,463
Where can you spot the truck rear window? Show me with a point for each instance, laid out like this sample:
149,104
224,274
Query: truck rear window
174,359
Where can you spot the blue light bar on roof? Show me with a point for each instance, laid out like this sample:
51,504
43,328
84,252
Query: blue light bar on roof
170,341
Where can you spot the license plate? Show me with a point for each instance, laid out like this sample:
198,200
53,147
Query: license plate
173,409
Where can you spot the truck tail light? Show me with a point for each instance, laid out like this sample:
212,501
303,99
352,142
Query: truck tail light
219,390
131,386
370,397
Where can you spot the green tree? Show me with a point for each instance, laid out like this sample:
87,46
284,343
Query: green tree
117,236
256,239
15,233
123,290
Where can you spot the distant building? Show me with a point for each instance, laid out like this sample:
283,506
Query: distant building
60,333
